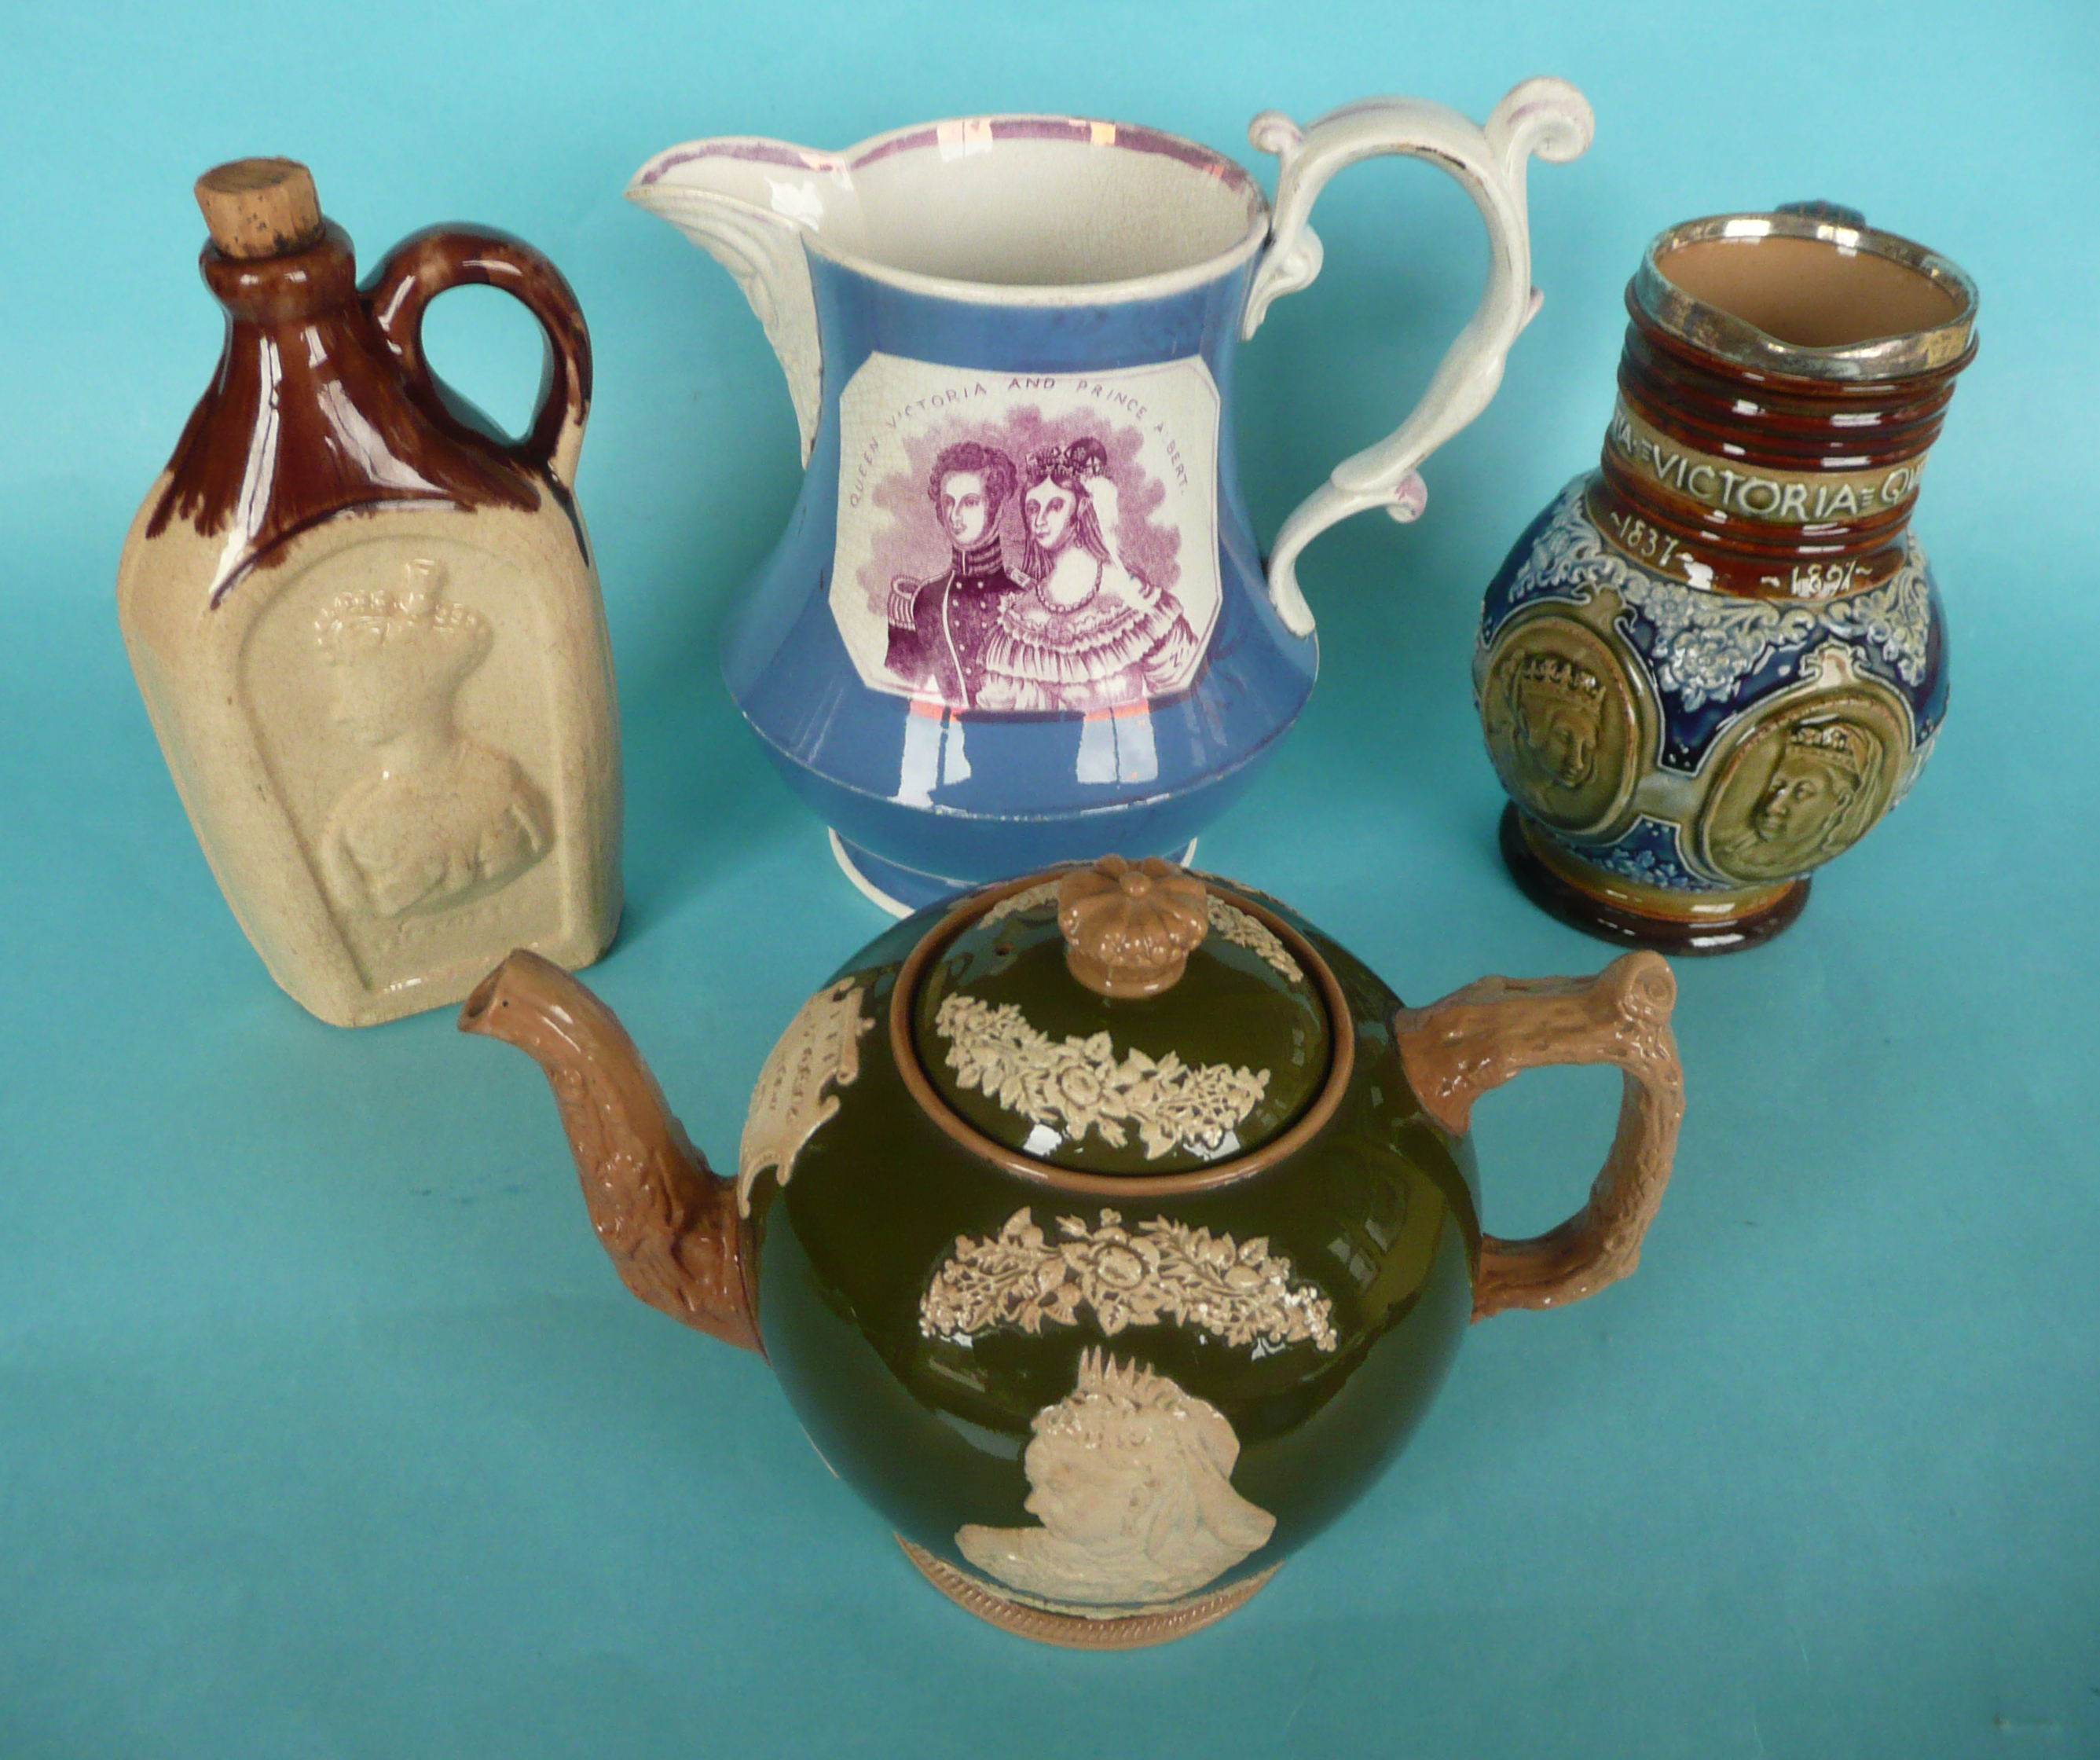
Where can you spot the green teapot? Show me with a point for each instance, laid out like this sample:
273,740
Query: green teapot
1111,1230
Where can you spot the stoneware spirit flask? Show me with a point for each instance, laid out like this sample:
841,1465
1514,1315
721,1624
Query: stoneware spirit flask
1019,615
1110,1232
368,628
1714,662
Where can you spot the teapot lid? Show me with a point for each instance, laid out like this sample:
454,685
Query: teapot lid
1122,1019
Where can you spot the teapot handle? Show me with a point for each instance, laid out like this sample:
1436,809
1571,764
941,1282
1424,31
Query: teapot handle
1546,116
427,263
1477,1038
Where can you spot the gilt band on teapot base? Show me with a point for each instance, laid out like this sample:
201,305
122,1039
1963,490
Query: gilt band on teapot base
1075,1631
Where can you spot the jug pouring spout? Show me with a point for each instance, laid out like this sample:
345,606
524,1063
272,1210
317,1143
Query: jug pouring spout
748,202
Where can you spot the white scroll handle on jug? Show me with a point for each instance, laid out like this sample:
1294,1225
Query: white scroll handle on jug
1546,116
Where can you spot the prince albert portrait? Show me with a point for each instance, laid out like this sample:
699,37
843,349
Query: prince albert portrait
937,628
1072,627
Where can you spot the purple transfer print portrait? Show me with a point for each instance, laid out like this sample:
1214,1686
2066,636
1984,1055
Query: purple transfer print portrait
1058,595
1019,545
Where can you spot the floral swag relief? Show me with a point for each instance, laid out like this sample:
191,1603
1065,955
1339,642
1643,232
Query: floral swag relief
1708,643
1162,1270
797,1090
1081,1085
1044,891
1131,1478
1250,932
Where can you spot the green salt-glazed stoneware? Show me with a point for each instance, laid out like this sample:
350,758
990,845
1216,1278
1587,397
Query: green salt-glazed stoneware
1109,1230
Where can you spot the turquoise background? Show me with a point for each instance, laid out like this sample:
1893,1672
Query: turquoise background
325,1430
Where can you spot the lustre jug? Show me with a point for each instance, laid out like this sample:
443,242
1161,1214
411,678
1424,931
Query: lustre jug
1019,615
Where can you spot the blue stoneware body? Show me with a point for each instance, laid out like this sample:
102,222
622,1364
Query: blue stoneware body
927,797
1712,666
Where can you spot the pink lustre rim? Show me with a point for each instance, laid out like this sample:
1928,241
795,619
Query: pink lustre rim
963,132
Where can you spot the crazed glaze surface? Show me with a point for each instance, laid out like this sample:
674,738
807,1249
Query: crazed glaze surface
371,640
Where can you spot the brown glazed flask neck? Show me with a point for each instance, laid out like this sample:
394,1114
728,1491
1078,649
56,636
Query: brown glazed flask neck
1773,418
309,415
293,287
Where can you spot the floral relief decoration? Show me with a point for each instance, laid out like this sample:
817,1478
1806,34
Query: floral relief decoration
1080,1085
1160,1270
1250,932
1707,643
1044,891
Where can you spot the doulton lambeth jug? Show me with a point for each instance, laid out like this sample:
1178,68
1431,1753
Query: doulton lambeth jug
1019,615
1713,663
1110,1232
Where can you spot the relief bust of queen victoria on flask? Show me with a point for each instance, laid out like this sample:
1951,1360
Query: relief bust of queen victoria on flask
1019,615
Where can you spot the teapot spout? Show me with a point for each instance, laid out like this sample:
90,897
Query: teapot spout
668,1222
748,203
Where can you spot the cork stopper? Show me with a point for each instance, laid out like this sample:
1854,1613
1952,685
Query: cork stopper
260,207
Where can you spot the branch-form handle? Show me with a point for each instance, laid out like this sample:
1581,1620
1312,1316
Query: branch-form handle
1546,116
1477,1038
425,264
667,1221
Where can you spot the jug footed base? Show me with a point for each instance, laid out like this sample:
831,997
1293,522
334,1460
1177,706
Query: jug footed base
1551,883
901,890
1076,1631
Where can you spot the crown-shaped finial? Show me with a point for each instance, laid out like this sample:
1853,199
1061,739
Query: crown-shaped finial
1130,926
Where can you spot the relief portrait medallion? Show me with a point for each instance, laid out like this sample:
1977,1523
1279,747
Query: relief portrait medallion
436,818
1564,723
1131,1480
1802,785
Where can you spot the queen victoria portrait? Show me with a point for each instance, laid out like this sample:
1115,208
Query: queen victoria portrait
1817,792
1090,633
1028,544
1559,708
1131,1480
436,818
